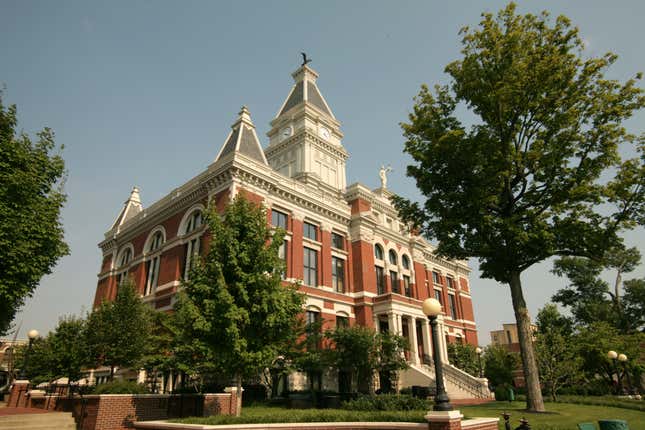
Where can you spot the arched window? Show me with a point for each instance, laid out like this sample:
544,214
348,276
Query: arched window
193,245
406,262
194,222
153,264
378,252
393,257
122,265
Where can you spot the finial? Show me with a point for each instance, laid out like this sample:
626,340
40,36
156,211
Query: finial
134,195
305,60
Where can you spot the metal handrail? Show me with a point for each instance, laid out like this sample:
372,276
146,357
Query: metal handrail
458,377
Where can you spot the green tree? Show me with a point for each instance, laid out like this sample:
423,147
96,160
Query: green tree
31,198
525,182
634,303
499,365
355,350
464,356
391,358
60,354
590,298
119,331
594,341
69,349
234,310
558,361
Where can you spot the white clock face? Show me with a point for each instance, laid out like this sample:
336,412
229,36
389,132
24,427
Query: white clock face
286,132
324,133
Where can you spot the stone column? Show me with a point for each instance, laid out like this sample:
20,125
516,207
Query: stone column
414,347
391,322
399,324
425,329
442,339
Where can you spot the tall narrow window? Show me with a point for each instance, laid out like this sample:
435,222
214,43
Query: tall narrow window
337,241
451,282
437,295
310,231
192,246
278,219
282,255
153,265
380,280
342,321
338,274
310,267
453,306
313,329
378,252
436,278
393,258
394,279
406,286
405,261
124,262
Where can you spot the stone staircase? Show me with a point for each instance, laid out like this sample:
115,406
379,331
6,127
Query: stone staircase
46,421
459,384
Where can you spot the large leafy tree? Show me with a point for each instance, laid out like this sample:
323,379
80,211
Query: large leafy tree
464,356
525,181
119,331
31,197
234,311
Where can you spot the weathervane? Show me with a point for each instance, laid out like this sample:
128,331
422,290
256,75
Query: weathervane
305,60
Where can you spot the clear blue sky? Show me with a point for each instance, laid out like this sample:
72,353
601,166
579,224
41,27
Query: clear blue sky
143,93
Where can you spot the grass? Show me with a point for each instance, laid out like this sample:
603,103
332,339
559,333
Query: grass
561,416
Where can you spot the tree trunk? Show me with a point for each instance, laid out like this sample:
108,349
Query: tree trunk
534,401
619,280
238,387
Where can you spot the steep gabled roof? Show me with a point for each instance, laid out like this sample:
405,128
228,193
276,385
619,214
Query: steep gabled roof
243,139
131,207
305,90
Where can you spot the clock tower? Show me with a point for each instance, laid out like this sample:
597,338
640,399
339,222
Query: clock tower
305,137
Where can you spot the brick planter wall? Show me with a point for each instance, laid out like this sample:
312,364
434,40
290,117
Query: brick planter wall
120,411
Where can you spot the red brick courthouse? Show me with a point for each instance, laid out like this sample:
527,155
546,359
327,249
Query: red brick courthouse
357,262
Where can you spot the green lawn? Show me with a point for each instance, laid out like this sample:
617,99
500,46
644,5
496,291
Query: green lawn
561,416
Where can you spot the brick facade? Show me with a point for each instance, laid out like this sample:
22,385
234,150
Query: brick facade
351,223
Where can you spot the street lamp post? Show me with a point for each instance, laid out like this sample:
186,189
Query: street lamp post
432,308
33,334
479,351
613,355
623,359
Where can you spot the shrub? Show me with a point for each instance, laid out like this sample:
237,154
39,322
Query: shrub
121,387
386,402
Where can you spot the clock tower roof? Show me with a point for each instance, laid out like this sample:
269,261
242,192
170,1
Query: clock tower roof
305,90
243,139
